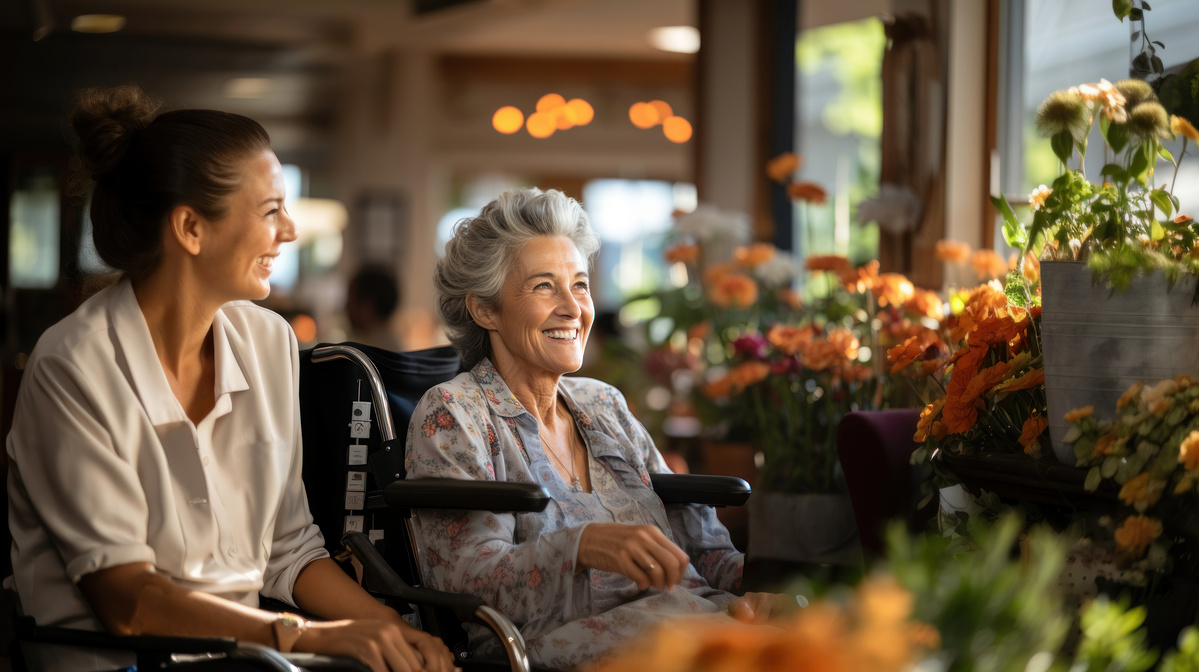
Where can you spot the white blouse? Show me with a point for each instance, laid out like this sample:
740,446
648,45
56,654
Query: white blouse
106,468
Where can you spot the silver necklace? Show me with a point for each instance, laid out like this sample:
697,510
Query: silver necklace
574,479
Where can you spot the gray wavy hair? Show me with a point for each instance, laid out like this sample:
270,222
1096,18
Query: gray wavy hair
484,250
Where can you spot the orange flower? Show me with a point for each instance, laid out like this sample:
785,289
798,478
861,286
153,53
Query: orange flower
1183,219
828,262
845,342
1130,395
1140,492
1188,452
984,380
960,411
734,291
839,348
782,167
865,278
926,303
1080,413
893,289
808,192
952,251
988,264
996,328
1032,268
718,389
905,353
1104,446
1033,428
1180,126
789,340
699,330
790,298
754,255
1027,381
748,373
715,272
685,252
1137,532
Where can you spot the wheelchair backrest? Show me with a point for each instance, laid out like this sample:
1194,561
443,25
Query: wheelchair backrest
329,392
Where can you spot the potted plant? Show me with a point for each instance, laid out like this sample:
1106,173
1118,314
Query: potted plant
1119,261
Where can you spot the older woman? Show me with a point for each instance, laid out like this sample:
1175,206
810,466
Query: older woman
154,476
605,559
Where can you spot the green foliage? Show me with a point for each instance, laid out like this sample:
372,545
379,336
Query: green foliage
1186,658
1122,9
1112,639
1112,223
854,51
994,611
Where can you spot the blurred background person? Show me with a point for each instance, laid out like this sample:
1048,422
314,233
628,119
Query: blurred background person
371,300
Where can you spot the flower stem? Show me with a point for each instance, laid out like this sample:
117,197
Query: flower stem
1176,164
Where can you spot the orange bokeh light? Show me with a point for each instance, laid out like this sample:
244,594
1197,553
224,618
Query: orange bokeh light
550,102
677,129
643,115
565,118
663,108
541,125
305,328
507,120
583,111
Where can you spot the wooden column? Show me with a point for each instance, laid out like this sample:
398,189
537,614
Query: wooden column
745,102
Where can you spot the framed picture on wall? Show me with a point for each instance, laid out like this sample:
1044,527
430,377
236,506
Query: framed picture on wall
380,225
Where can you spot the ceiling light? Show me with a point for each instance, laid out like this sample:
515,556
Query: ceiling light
97,23
247,87
679,39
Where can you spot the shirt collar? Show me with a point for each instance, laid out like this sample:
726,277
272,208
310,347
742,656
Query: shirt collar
230,372
145,371
501,399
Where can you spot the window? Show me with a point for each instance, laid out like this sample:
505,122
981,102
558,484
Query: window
1056,44
840,122
34,236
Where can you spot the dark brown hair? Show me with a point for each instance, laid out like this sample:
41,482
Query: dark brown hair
142,165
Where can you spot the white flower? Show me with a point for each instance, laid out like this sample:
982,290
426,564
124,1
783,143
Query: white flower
1149,395
707,222
776,272
895,208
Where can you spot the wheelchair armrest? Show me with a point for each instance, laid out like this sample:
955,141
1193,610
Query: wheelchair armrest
700,489
28,630
387,582
450,493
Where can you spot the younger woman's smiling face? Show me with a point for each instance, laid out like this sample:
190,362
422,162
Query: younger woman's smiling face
242,251
545,309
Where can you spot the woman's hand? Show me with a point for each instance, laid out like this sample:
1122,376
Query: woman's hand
383,645
640,552
760,607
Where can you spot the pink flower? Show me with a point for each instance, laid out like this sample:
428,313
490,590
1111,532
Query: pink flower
752,345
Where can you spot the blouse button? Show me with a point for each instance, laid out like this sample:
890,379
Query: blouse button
205,460
232,552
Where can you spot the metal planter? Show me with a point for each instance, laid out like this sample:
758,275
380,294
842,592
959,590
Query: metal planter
1097,342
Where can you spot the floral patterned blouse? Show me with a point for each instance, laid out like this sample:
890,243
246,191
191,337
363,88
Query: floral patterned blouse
523,564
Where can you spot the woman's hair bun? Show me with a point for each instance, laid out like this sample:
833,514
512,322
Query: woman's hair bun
106,121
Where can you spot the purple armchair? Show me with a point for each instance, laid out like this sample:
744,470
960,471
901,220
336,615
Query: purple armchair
874,448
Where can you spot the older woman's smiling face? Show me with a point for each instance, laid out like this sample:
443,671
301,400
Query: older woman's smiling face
545,309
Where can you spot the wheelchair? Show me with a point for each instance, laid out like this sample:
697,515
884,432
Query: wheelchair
370,524
380,389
